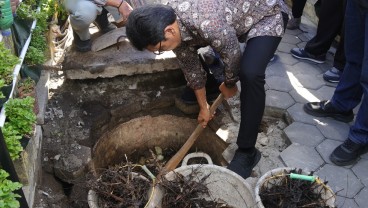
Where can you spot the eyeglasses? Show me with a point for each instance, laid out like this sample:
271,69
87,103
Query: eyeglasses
159,52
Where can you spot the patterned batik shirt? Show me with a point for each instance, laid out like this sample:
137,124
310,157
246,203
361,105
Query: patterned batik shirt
221,24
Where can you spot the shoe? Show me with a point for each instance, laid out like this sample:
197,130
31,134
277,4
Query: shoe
325,109
188,97
102,22
243,163
272,58
81,45
294,23
347,153
332,75
300,53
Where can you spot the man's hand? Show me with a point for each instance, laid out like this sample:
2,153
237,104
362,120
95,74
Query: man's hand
204,115
228,92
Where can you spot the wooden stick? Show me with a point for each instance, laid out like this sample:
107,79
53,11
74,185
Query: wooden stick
175,160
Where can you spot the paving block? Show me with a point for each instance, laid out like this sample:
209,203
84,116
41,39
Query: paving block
309,81
341,180
333,129
303,95
296,113
306,68
325,93
345,202
286,58
301,156
285,47
303,37
277,69
296,32
277,99
304,134
361,169
326,148
290,38
279,84
361,198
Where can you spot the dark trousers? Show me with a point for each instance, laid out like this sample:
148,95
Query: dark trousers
353,86
330,24
298,7
256,56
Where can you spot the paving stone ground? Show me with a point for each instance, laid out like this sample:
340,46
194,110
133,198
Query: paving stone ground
292,83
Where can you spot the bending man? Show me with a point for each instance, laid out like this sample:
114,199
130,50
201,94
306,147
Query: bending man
185,26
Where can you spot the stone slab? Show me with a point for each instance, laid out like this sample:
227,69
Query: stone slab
42,93
112,62
361,198
326,148
342,181
361,169
304,134
301,156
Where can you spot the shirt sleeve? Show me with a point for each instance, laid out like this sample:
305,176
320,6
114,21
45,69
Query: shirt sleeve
191,66
221,36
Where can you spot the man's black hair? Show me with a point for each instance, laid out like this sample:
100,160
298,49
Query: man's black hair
146,24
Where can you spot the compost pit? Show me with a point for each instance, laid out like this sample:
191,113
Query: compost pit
80,111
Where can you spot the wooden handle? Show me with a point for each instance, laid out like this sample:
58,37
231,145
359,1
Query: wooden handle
175,160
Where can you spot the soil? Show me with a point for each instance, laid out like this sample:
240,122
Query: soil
80,111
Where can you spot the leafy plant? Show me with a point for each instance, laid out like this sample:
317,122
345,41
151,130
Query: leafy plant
7,188
2,84
26,87
12,139
7,64
34,56
20,114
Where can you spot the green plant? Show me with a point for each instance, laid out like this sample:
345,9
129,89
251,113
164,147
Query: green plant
8,199
34,56
20,115
26,87
7,64
12,139
2,84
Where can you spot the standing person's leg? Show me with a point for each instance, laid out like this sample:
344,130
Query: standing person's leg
82,14
297,12
334,74
354,84
256,56
329,25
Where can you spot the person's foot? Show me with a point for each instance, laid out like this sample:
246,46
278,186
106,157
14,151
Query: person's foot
243,163
300,53
294,23
81,45
332,75
347,153
325,109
